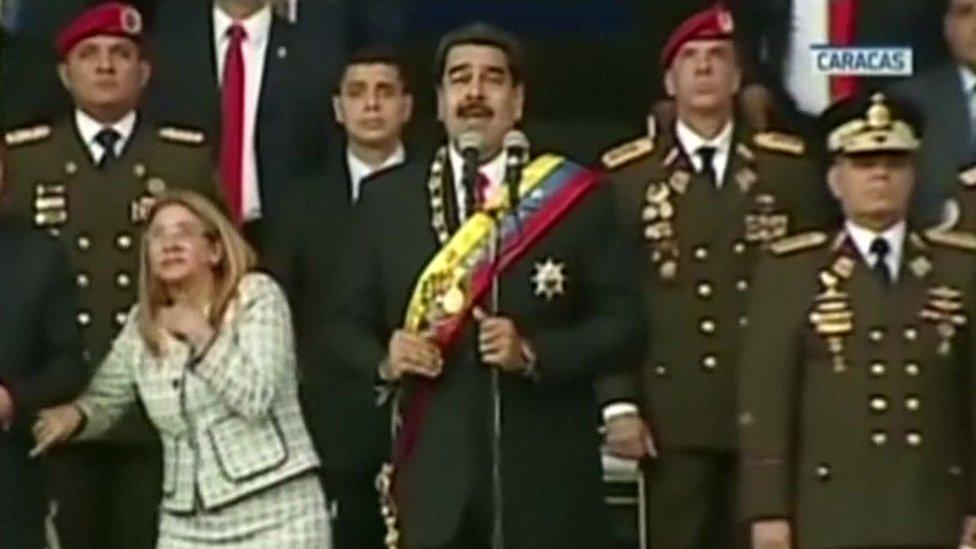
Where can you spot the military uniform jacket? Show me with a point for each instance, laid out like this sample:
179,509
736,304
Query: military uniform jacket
230,424
856,399
572,297
99,214
702,244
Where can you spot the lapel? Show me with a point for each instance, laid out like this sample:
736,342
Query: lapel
73,149
952,113
138,145
203,68
734,197
273,81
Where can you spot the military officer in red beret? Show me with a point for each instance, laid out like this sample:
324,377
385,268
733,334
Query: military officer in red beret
87,180
706,194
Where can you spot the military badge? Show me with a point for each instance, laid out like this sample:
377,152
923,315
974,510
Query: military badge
549,279
746,178
945,309
50,205
679,181
920,266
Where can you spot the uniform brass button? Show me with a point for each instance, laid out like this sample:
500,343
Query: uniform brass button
123,241
709,362
913,403
746,419
139,170
879,437
823,471
704,290
912,369
84,243
701,253
743,321
911,334
739,247
878,369
86,355
82,280
120,317
70,167
84,318
955,470
742,284
876,335
913,439
878,404
707,326
123,280
660,370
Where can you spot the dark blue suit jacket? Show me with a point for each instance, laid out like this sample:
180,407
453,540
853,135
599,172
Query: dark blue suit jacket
40,365
294,113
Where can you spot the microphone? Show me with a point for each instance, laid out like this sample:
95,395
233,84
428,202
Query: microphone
470,144
516,147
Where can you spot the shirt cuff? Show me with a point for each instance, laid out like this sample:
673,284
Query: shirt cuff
618,409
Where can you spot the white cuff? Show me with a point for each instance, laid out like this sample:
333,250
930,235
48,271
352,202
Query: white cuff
618,409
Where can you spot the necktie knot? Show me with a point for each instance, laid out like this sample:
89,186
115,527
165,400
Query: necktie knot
481,185
880,248
706,154
236,33
107,138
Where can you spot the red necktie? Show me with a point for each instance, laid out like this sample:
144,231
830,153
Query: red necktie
842,33
481,191
232,127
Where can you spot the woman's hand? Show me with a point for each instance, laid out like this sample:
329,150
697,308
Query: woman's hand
187,323
55,426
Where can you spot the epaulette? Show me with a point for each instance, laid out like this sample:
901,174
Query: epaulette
627,153
184,136
798,242
23,136
779,142
968,176
954,239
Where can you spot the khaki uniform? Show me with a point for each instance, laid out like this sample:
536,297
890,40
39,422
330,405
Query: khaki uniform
703,243
856,398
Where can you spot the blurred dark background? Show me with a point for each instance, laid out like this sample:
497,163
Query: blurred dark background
592,64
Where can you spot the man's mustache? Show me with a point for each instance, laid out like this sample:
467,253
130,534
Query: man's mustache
474,109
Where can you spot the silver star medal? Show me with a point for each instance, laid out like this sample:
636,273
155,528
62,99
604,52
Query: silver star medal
549,279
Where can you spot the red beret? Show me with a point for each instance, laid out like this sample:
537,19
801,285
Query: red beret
715,23
112,18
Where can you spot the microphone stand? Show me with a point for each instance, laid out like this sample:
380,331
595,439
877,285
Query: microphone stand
498,531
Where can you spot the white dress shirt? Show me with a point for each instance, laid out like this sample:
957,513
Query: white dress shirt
359,170
809,26
254,48
88,129
895,235
493,170
722,143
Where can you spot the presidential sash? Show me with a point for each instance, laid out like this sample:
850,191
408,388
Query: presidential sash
460,275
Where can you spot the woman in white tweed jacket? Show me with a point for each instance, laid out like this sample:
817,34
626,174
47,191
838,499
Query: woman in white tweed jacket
209,351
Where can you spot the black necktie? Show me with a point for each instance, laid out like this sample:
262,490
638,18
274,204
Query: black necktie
880,248
707,154
107,139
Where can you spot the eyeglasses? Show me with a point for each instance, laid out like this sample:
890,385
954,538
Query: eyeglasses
179,234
